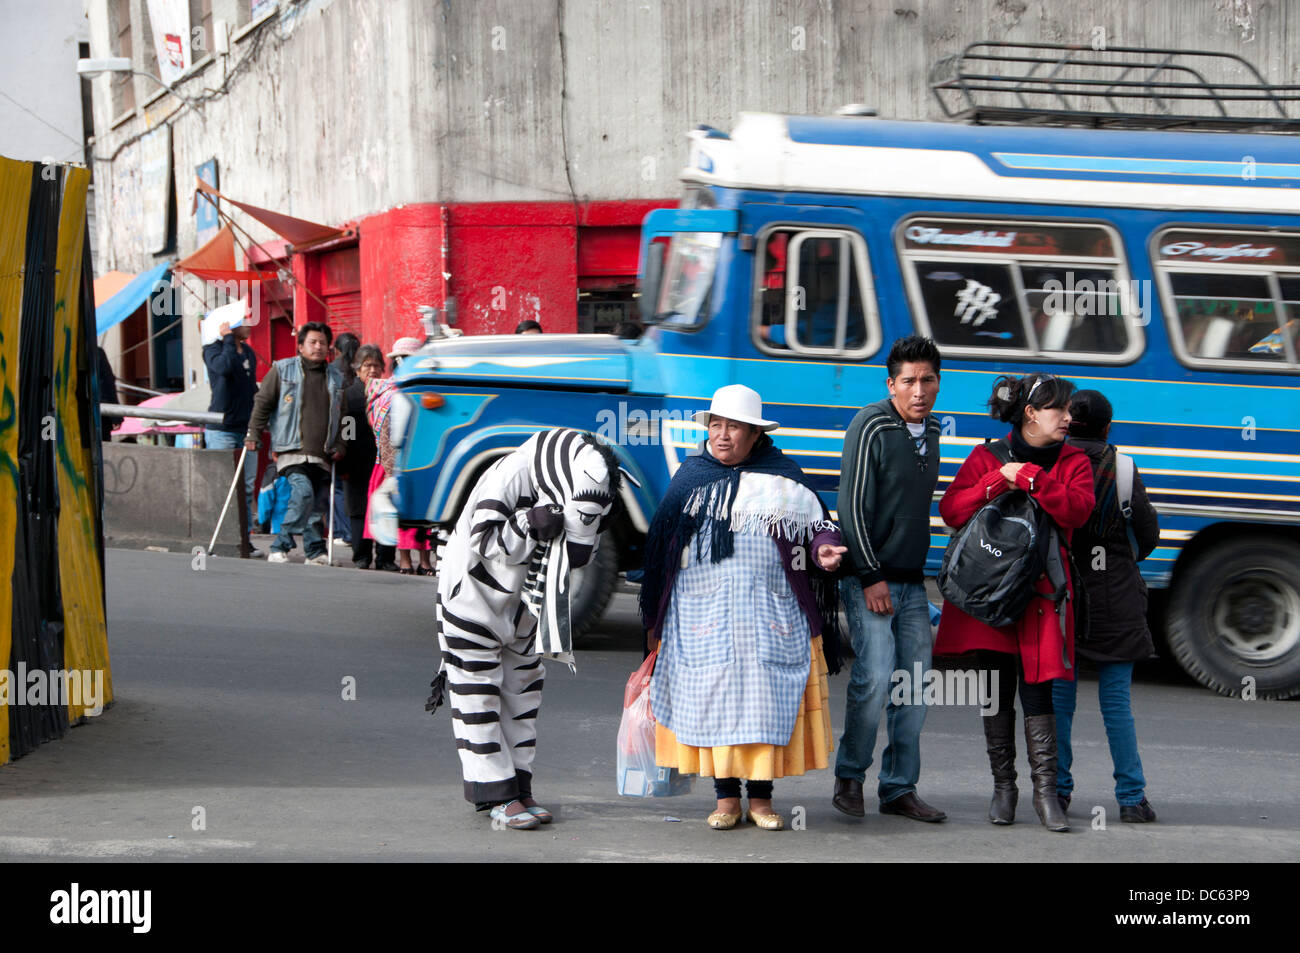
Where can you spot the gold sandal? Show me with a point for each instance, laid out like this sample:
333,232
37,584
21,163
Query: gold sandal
721,821
766,822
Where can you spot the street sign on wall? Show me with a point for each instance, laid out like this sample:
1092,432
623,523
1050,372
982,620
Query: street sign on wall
206,223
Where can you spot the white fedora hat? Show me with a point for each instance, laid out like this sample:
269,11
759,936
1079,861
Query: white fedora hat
737,402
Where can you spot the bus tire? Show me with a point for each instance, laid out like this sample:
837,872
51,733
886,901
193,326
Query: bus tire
1234,616
593,587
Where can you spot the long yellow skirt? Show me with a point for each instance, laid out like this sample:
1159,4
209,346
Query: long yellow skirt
809,747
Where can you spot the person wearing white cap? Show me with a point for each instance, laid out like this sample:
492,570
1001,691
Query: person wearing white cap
743,616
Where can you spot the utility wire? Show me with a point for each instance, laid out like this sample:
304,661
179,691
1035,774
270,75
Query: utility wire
204,95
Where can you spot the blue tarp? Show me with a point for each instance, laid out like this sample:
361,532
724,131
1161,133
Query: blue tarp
123,304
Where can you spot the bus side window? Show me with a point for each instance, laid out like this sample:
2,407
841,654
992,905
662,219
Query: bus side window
815,275
1076,308
772,290
1291,313
1039,288
1234,295
827,285
971,304
1227,317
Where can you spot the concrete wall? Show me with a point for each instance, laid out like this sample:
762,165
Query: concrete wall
349,107
40,111
165,496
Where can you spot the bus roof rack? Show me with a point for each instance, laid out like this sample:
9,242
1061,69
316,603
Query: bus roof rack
1121,86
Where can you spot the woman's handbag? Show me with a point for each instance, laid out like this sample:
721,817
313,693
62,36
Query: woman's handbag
638,775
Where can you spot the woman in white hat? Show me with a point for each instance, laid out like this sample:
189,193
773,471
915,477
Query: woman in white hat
739,598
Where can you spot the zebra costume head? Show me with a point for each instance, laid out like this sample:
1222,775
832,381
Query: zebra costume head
576,472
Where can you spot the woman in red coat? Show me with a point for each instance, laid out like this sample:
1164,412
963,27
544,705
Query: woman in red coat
1040,647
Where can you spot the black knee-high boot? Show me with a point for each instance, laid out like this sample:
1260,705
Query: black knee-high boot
1040,743
1000,738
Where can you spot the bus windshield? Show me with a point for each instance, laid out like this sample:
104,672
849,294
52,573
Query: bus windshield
692,263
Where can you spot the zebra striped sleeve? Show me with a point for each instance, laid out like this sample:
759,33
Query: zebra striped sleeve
498,529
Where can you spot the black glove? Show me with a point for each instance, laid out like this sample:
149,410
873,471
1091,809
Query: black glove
546,521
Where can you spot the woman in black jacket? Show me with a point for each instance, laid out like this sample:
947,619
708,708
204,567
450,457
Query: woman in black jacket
1116,635
359,460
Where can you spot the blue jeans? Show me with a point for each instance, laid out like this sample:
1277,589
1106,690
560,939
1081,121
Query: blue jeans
1113,683
301,517
224,440
882,645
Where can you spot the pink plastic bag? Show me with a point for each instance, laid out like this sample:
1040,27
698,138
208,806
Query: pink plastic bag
638,775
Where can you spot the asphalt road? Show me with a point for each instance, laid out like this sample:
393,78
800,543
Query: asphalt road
229,687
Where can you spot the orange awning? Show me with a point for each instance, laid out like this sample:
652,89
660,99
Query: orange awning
109,284
215,261
297,231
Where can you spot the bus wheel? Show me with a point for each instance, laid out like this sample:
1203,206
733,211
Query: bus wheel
1235,615
593,587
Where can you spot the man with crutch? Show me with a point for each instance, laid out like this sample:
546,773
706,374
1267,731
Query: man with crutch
232,374
300,403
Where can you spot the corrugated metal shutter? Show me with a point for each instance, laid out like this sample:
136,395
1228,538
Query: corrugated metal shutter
345,312
340,284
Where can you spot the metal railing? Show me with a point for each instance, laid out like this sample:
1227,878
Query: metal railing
1122,86
159,413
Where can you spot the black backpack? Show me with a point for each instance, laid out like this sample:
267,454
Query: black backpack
991,564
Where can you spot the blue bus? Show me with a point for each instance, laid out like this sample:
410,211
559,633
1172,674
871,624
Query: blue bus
1162,268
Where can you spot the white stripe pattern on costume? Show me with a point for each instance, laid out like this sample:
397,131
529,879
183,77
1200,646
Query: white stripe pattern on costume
499,591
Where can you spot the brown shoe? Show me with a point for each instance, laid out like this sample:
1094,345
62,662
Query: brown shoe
848,797
909,805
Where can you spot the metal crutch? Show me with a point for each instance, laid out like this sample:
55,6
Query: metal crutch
330,548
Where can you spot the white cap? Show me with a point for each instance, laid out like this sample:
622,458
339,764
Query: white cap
404,347
737,402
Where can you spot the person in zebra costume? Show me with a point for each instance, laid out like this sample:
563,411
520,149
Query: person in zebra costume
503,606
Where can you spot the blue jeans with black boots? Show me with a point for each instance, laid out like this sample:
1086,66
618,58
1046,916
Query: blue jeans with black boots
1113,683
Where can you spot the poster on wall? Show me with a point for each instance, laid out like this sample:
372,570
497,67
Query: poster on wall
206,223
170,20
155,187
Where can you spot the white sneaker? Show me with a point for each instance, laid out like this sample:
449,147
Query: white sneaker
322,560
277,557
256,554
341,544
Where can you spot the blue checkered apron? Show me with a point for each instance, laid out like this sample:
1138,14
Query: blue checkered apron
734,657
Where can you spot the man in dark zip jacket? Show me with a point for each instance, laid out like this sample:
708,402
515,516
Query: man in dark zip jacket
232,375
887,479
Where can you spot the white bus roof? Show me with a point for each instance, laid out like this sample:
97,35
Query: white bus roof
1013,164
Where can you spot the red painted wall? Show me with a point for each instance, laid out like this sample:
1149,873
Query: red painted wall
402,265
506,262
512,262
503,261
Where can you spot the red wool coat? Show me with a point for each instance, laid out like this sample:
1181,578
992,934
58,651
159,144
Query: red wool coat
1065,492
